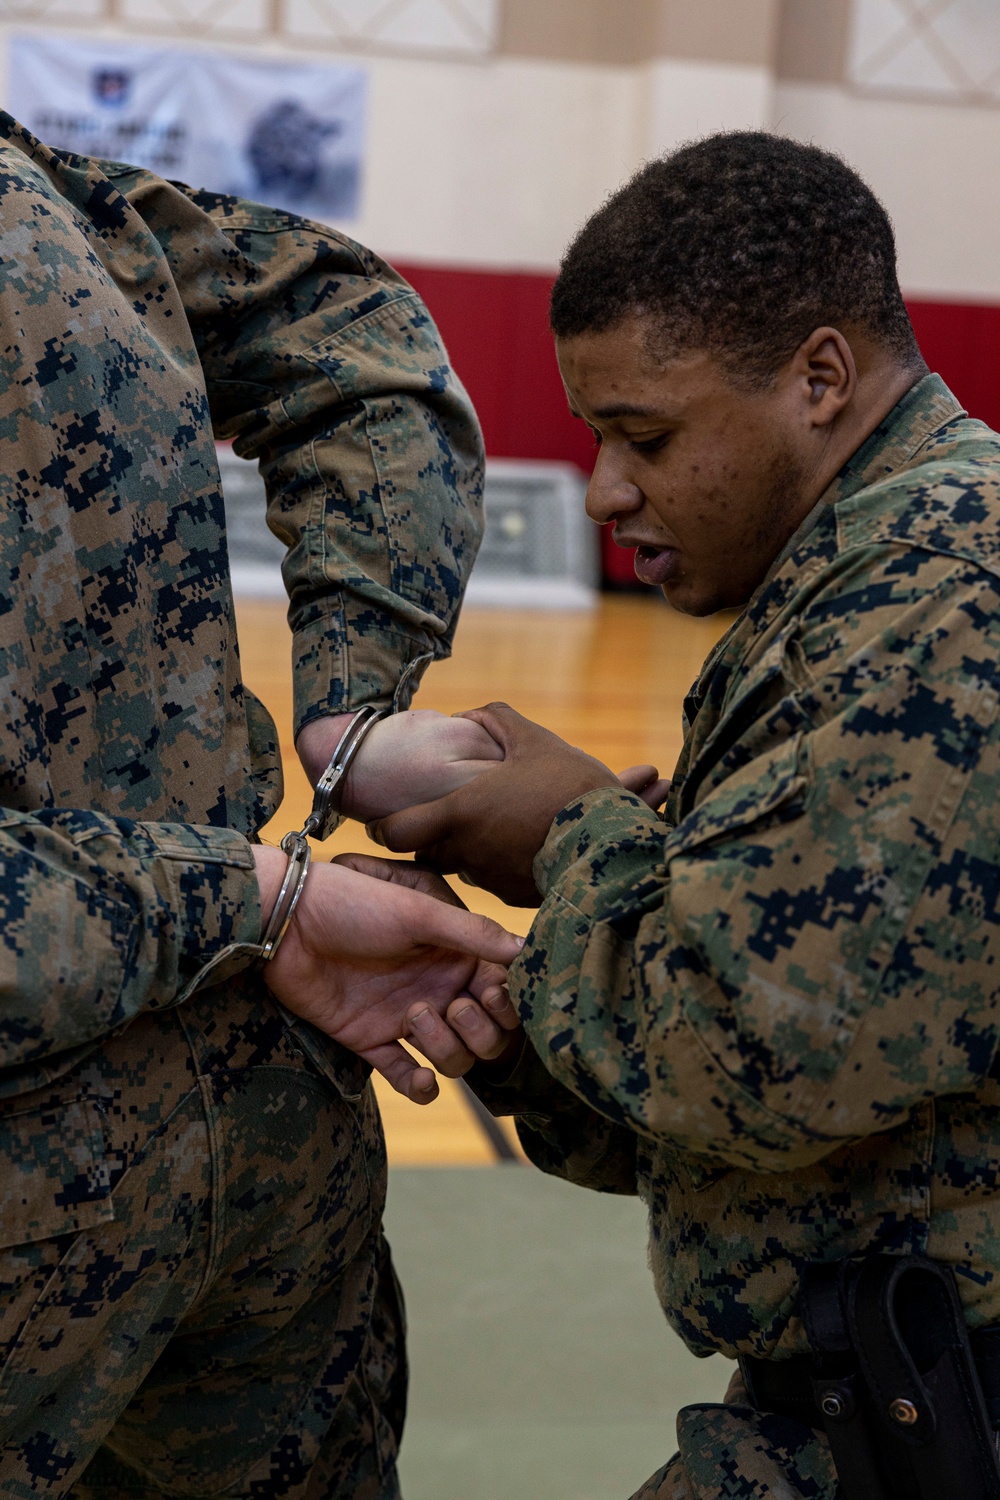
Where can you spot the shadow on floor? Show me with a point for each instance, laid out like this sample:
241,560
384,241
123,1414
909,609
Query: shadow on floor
541,1365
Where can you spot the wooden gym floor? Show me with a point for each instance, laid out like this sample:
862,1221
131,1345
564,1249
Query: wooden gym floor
610,680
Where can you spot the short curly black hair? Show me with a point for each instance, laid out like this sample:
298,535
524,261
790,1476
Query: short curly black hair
741,244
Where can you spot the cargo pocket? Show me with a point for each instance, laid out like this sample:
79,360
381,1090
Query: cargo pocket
56,1175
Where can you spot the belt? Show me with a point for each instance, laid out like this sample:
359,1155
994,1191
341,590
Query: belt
784,1386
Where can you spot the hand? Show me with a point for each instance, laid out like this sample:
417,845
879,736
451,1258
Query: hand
361,954
491,829
487,1030
410,757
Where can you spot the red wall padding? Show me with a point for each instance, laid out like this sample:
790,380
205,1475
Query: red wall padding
495,325
961,341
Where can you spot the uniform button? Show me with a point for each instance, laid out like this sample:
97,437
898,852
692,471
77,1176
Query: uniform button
903,1412
831,1405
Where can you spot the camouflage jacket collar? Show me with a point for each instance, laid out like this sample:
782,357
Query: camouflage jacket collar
895,445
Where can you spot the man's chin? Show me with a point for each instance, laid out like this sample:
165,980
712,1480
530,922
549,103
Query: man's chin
687,598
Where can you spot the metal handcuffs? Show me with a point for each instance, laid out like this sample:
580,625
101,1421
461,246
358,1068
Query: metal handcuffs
324,819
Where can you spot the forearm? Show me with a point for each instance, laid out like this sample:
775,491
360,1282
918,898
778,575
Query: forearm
744,993
323,364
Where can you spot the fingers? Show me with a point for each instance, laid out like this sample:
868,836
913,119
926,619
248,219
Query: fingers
496,1001
489,986
637,778
414,828
454,1042
438,1042
407,1076
646,782
482,1037
401,872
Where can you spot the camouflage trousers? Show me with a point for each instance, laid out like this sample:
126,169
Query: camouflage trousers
732,1452
222,1317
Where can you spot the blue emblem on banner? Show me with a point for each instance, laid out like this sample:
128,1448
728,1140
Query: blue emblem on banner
111,86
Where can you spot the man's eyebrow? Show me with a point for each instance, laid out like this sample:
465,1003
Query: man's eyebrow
624,409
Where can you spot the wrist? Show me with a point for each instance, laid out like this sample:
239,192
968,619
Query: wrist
270,865
317,741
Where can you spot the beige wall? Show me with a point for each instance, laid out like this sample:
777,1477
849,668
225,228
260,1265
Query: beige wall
934,166
726,31
812,39
594,31
629,31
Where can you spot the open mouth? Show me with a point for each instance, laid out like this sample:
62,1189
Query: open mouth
655,565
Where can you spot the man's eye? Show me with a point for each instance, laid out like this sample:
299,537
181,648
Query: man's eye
648,445
596,436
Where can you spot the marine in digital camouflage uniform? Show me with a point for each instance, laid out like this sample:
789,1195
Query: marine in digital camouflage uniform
195,1296
776,1022
770,1012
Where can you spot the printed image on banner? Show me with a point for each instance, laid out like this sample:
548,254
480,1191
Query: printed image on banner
286,134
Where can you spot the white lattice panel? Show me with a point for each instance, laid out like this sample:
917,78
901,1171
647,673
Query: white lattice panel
53,10
467,26
247,17
945,48
451,26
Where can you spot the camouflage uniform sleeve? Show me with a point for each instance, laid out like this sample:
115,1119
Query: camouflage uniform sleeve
324,364
559,1133
806,956
103,918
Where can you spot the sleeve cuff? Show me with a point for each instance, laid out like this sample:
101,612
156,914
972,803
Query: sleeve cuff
525,1088
608,818
211,888
343,658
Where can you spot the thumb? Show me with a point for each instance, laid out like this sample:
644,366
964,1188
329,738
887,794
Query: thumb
501,722
401,872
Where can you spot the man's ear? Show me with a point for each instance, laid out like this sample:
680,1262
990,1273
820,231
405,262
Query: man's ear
823,367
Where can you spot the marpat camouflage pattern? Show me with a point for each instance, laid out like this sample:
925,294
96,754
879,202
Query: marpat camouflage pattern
775,1019
201,1190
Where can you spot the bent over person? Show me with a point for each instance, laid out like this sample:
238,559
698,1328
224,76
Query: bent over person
773,1013
195,1295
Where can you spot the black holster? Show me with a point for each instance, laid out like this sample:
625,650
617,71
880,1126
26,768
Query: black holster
896,1383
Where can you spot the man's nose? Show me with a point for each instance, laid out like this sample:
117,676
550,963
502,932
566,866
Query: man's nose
610,494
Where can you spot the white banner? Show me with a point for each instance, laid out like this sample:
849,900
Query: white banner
283,133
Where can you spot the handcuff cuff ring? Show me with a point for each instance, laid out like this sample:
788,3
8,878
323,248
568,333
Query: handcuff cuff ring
321,822
296,846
